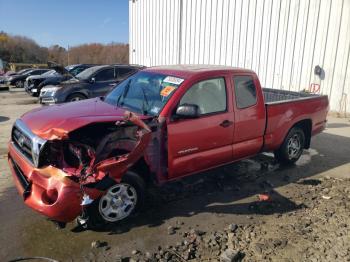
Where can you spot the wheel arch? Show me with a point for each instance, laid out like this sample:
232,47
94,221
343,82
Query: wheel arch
306,126
143,170
77,93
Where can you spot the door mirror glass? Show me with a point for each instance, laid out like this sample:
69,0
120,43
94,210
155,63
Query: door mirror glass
187,111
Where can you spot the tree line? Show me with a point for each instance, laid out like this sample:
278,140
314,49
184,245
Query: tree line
20,49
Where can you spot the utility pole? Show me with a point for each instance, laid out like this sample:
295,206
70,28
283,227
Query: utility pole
68,55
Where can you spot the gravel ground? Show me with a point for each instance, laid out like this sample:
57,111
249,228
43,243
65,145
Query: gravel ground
253,210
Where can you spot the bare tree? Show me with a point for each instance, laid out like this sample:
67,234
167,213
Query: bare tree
19,49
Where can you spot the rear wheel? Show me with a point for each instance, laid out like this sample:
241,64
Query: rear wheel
75,97
119,203
292,146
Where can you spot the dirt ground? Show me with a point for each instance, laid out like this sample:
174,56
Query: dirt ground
253,210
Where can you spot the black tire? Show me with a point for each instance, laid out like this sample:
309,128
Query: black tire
139,183
75,97
292,147
94,219
19,84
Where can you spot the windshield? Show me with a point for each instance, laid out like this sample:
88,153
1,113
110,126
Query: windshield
50,73
145,92
86,74
23,71
28,72
70,67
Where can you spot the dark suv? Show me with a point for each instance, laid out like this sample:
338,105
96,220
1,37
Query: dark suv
92,82
18,80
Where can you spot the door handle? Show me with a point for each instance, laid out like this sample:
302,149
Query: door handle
226,123
113,84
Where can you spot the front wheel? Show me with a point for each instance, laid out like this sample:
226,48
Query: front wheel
119,203
292,147
75,97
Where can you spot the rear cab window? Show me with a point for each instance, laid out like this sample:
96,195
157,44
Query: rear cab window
245,91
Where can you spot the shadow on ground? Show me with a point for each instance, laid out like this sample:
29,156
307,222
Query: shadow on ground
4,118
215,191
337,125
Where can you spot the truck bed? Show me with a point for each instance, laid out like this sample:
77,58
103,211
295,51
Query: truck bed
285,108
273,96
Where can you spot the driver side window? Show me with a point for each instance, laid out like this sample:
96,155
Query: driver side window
209,95
105,75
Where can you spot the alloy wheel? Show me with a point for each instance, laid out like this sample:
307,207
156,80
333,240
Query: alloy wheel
118,203
294,146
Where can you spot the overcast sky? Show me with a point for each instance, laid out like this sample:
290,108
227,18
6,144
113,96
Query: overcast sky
66,22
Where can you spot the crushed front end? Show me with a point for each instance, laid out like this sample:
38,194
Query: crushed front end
57,172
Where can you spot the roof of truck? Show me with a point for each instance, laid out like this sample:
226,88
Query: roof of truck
186,71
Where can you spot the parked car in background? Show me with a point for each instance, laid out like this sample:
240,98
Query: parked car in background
34,80
57,75
2,67
92,82
18,80
3,78
94,158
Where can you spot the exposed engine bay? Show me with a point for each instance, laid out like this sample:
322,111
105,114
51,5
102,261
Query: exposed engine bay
96,150
68,173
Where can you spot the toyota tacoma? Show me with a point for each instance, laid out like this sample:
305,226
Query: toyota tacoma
93,159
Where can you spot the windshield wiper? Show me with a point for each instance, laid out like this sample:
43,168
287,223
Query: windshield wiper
125,92
145,99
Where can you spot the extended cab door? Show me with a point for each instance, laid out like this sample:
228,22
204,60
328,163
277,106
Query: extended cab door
206,141
250,115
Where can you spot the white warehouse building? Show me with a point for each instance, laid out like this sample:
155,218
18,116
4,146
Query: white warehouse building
283,41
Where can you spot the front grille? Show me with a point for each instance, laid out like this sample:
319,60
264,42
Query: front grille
26,142
47,100
26,185
22,142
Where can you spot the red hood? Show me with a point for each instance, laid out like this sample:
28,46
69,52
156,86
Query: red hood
58,120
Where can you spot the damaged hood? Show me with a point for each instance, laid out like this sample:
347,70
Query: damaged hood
59,69
55,122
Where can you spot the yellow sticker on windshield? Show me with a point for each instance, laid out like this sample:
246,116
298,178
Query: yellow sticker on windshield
167,90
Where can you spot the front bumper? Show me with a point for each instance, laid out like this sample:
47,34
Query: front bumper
9,83
47,100
31,89
34,91
47,190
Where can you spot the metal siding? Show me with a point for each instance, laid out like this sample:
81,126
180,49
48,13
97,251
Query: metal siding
281,40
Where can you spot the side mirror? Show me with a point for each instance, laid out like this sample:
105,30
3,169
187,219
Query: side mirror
186,111
92,80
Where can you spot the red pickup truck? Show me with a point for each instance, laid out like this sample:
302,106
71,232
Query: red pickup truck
93,159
